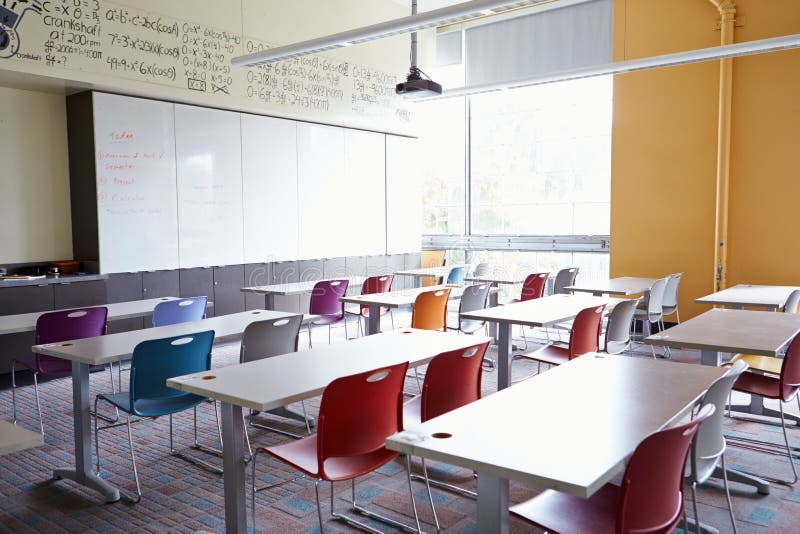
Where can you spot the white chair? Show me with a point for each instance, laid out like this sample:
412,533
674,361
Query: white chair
618,327
708,448
653,312
482,270
670,304
564,277
472,298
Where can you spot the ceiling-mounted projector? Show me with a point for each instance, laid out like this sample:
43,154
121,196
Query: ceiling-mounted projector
415,85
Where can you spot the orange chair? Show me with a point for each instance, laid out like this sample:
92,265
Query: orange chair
430,310
432,258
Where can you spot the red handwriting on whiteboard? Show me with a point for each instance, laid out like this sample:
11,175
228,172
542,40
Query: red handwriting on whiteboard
121,136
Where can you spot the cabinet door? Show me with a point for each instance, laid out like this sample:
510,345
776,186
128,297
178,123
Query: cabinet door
228,282
310,271
198,282
14,300
79,294
125,287
256,274
160,284
286,272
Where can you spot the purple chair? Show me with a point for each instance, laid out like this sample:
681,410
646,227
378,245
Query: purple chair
53,327
325,302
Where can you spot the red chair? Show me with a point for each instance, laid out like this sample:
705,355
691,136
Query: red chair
650,499
533,287
371,286
452,380
356,415
782,388
584,337
325,303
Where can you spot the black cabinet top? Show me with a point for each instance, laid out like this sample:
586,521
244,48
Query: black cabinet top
63,279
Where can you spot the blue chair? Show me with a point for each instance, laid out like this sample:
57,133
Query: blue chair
180,311
457,275
154,361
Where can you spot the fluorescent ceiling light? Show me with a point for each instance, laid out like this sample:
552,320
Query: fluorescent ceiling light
762,46
429,19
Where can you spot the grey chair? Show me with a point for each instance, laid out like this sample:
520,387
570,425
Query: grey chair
792,302
618,328
564,277
472,298
670,303
265,339
707,457
654,309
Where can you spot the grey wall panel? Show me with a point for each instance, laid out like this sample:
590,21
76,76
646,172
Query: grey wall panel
394,263
256,274
335,267
125,287
285,272
160,284
310,270
79,294
377,265
26,299
356,265
198,282
228,282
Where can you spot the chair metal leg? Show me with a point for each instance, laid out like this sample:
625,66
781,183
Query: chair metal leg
786,440
13,392
411,495
367,513
96,437
183,456
310,346
38,405
133,459
728,495
428,487
247,438
694,506
391,317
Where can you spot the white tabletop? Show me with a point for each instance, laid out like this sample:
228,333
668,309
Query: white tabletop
299,288
26,322
749,295
620,401
114,347
14,438
538,312
401,297
724,330
280,380
622,286
431,271
497,278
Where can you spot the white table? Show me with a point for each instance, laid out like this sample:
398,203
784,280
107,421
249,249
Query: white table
392,300
427,272
277,381
622,400
539,312
116,347
623,286
26,322
14,438
495,280
741,295
294,288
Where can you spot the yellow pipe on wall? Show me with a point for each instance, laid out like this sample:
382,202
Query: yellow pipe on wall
727,11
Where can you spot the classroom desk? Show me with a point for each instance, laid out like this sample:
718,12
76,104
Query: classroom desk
495,280
14,438
294,288
101,350
26,322
277,381
539,312
742,295
621,400
623,286
393,299
427,272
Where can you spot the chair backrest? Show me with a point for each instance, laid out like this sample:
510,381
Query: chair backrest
359,412
651,497
564,277
432,258
66,325
533,286
376,284
452,380
430,310
670,299
792,304
655,301
264,339
618,330
457,275
325,298
156,360
790,371
709,443
472,298
585,335
483,270
179,311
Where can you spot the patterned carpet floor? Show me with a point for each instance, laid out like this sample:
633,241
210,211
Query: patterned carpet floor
181,497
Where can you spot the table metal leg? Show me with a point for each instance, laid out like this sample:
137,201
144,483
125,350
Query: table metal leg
233,469
269,301
374,320
709,357
493,303
503,355
762,486
83,473
492,504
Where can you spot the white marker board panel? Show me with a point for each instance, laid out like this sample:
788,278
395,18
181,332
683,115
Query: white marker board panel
365,172
209,169
269,177
324,224
404,196
137,214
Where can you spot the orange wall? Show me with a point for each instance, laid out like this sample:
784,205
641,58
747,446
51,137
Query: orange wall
665,144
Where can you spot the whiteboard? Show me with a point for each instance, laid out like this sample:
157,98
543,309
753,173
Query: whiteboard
324,225
208,152
137,216
403,196
269,178
365,180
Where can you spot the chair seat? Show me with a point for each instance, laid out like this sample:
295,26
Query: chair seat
328,319
766,364
412,412
565,514
355,309
302,455
756,384
550,354
153,407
